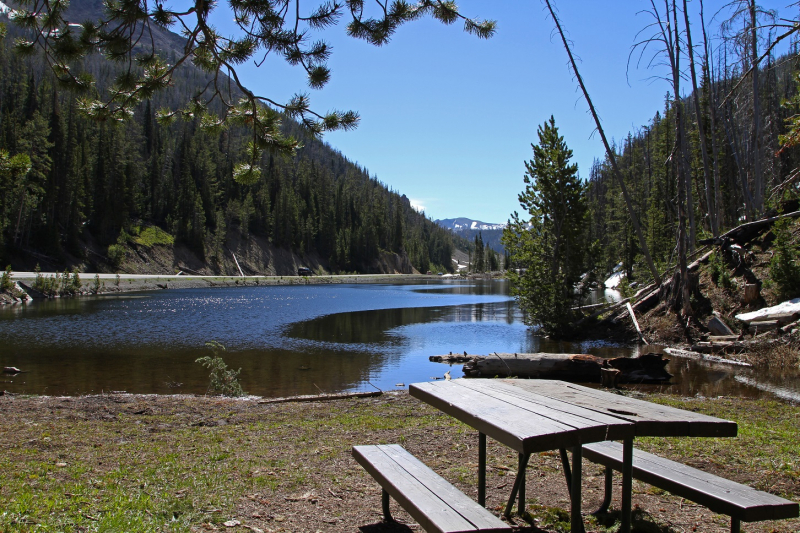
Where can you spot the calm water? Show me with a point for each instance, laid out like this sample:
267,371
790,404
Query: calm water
287,340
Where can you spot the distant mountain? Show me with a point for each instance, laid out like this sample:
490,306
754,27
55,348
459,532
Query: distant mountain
469,228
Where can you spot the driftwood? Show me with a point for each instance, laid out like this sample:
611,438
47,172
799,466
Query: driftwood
324,397
724,338
763,325
726,346
687,354
452,358
569,367
12,370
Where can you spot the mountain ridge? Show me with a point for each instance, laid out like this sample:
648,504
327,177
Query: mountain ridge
468,228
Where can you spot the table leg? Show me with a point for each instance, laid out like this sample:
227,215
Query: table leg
482,469
567,469
522,465
627,484
517,482
576,520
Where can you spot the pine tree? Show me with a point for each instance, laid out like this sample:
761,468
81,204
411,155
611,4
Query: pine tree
551,251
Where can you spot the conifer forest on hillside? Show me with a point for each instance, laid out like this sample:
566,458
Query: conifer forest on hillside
720,153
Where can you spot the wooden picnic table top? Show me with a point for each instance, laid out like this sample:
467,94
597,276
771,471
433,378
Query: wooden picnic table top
532,415
650,419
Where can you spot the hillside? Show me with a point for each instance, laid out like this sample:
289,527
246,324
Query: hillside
151,198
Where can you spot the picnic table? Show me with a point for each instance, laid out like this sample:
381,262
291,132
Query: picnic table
531,416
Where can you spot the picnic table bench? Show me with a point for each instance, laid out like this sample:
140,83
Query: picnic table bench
433,502
720,495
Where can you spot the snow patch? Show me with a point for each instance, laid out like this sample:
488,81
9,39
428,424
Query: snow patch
4,8
789,307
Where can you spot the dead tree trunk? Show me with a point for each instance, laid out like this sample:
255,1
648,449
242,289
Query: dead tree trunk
710,204
758,182
609,151
569,367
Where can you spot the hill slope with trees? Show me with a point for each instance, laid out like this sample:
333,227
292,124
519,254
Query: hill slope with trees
151,197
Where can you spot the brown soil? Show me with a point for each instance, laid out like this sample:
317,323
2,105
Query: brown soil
307,441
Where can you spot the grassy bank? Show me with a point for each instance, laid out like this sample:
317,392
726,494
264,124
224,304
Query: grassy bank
169,463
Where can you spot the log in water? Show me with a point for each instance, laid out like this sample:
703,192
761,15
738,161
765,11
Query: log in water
569,367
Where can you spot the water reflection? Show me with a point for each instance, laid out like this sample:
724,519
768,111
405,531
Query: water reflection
298,340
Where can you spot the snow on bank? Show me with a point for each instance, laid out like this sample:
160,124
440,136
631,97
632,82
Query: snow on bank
4,8
616,277
788,307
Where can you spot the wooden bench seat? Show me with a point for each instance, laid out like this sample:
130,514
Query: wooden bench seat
720,495
433,502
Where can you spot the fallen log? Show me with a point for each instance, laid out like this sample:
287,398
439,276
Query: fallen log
724,338
677,352
607,309
762,325
452,358
636,324
719,347
744,233
323,397
569,367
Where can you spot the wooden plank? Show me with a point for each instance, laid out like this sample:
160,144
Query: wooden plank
525,431
433,502
650,419
420,502
477,515
720,495
611,427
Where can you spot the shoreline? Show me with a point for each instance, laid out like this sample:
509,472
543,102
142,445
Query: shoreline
105,284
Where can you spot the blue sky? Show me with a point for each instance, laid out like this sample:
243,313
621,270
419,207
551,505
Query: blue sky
448,119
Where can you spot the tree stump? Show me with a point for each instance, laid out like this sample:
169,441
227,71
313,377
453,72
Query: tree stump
751,293
609,377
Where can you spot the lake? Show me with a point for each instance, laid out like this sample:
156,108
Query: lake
302,339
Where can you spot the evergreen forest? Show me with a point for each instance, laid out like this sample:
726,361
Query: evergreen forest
741,161
94,187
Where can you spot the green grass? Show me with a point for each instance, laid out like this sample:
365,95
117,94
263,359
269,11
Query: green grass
766,452
141,465
152,236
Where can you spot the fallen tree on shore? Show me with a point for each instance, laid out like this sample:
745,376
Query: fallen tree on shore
584,368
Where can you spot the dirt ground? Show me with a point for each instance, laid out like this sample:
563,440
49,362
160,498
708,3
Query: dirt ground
222,464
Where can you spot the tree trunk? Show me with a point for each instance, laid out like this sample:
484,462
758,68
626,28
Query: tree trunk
569,367
758,182
712,112
710,204
609,152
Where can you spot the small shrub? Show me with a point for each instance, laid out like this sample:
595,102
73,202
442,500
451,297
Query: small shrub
785,264
70,284
96,284
152,236
719,272
224,381
6,285
47,285
116,253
